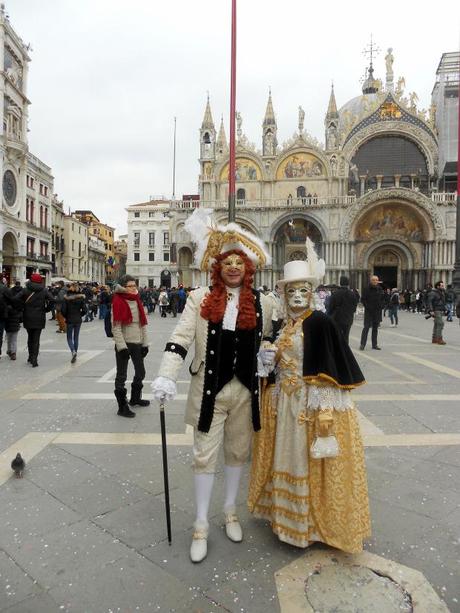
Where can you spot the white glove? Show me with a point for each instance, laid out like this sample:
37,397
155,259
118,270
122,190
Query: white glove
267,356
265,362
164,389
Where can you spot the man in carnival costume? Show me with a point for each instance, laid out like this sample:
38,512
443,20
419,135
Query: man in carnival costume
227,322
308,476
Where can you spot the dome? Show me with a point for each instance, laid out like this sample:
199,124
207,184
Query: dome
356,108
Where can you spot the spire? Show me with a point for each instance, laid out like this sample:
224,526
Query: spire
332,108
208,121
269,119
222,138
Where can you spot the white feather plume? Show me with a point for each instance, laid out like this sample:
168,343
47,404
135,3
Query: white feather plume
198,225
317,266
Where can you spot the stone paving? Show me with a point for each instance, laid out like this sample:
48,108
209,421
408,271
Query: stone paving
84,530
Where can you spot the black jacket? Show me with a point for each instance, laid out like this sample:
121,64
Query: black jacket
437,300
372,299
342,305
34,300
73,307
4,301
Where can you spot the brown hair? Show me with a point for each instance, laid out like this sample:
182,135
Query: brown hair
213,306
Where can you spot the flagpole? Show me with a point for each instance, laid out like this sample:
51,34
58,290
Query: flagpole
174,164
231,165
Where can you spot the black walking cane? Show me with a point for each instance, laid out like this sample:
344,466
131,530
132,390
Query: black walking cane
165,470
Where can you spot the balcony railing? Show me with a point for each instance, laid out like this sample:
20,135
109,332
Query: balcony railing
295,202
38,257
444,197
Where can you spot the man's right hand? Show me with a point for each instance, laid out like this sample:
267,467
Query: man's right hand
164,389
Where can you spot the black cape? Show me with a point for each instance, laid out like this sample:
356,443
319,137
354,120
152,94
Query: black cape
327,357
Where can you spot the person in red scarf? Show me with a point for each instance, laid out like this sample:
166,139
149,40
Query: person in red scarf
129,328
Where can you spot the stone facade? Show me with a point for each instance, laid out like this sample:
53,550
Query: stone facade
76,251
107,235
27,183
150,258
369,198
57,237
96,260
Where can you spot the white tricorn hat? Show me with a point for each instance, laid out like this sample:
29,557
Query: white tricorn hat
211,240
312,269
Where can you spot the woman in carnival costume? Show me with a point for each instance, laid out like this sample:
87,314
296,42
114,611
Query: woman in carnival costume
308,476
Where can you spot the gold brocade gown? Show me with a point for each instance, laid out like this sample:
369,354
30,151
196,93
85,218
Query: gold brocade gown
308,499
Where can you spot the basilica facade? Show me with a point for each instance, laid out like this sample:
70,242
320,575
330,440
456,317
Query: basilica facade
371,198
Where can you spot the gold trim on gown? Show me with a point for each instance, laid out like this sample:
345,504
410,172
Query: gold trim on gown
307,499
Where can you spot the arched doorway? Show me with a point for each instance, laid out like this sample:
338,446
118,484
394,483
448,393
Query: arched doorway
9,246
389,264
289,241
184,271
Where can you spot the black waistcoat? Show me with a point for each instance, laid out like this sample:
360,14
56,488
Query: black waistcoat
236,357
223,348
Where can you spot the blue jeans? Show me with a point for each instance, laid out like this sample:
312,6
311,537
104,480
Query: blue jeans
450,310
73,332
102,311
393,309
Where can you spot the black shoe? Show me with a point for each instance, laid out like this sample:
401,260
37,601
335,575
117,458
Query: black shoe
34,363
136,397
123,408
377,348
361,347
74,357
29,360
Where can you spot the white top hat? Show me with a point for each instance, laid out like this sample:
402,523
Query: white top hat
312,269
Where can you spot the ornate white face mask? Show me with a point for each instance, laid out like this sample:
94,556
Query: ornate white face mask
298,295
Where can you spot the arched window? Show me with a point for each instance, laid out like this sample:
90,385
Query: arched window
206,138
301,193
241,195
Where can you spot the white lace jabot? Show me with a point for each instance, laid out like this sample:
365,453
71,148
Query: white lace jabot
231,310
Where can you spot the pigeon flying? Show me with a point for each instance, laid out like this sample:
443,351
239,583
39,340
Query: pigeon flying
18,465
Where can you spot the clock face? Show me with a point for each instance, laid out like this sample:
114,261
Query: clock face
9,187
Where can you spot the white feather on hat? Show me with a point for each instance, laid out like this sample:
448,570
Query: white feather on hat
312,269
211,240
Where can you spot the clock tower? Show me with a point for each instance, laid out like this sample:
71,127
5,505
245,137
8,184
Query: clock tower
27,183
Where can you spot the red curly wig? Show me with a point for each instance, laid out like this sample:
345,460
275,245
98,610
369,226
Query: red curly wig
213,306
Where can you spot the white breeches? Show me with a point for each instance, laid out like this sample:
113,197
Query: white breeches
231,425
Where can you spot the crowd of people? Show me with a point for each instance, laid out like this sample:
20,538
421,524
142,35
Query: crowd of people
69,305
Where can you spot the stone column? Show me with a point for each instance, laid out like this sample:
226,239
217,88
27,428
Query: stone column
362,183
397,180
379,181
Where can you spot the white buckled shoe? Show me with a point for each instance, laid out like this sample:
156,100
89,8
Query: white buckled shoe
232,526
199,547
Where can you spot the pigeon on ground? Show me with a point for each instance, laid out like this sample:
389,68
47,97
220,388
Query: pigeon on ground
18,465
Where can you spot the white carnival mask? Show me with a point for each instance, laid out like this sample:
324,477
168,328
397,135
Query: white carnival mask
298,295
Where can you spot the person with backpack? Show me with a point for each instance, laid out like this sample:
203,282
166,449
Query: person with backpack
129,330
163,302
72,309
393,307
35,301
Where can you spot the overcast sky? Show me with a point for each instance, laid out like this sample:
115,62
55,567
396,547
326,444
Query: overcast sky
107,78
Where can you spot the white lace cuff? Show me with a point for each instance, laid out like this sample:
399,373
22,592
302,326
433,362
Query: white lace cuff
328,397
